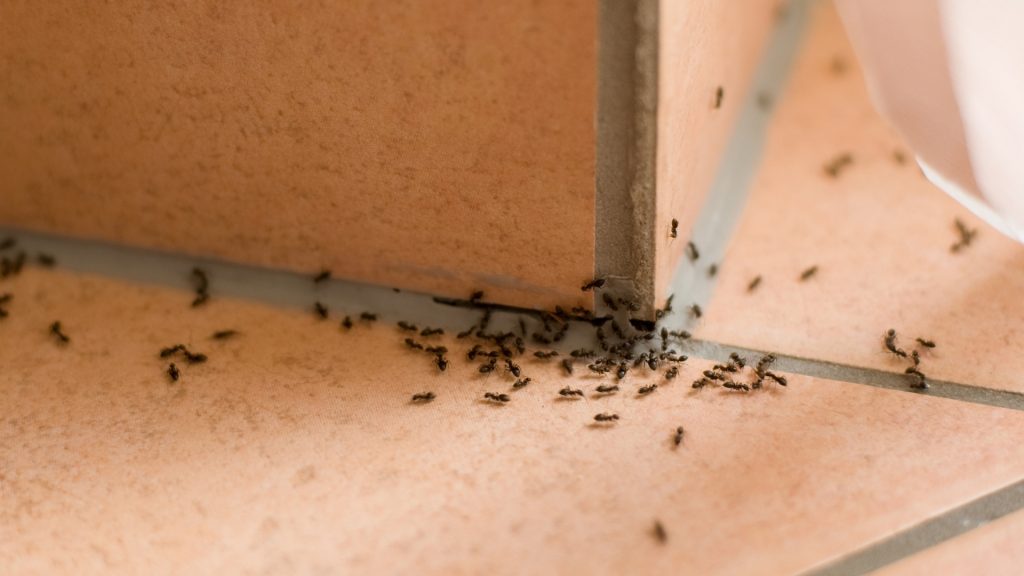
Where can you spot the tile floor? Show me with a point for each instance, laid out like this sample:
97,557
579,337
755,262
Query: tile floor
295,448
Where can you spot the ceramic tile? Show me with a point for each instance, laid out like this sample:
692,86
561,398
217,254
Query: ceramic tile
880,235
295,449
993,549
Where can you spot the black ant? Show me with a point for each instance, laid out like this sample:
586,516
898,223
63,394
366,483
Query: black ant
671,373
834,167
520,382
645,390
171,350
606,417
488,367
442,362
920,382
403,325
173,372
568,392
781,380
320,310
610,302
692,252
512,367
890,344
696,310
347,323
46,260
436,350
621,372
500,398
432,331
368,317
545,355
594,284
966,236
712,270
57,331
202,286
674,232
679,436
926,343
224,334
423,397
476,296
605,389
194,358
754,283
323,276
735,386
413,344
719,96
807,274
660,534
567,365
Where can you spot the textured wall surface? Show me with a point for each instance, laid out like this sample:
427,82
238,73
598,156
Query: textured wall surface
438,146
703,44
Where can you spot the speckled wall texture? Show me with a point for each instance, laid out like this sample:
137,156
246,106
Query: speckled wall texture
433,145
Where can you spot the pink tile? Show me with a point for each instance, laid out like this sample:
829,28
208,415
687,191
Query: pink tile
993,550
294,449
880,235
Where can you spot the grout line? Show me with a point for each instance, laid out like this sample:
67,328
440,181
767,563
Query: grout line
866,376
927,534
727,198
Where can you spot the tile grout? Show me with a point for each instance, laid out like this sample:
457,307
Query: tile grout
927,534
710,350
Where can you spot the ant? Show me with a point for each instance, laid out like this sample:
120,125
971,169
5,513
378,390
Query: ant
173,372
606,417
660,534
674,232
735,386
545,355
323,276
500,398
320,310
423,397
692,252
368,317
605,389
698,384
224,334
46,260
194,358
442,362
966,236
679,436
712,270
567,365
488,367
719,96
696,310
781,380
833,168
926,343
599,368
202,286
431,331
754,283
594,284
890,344
512,367
57,331
520,382
403,325
414,344
920,382
476,296
645,390
436,350
347,323
671,373
171,350
568,392
807,274
621,372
